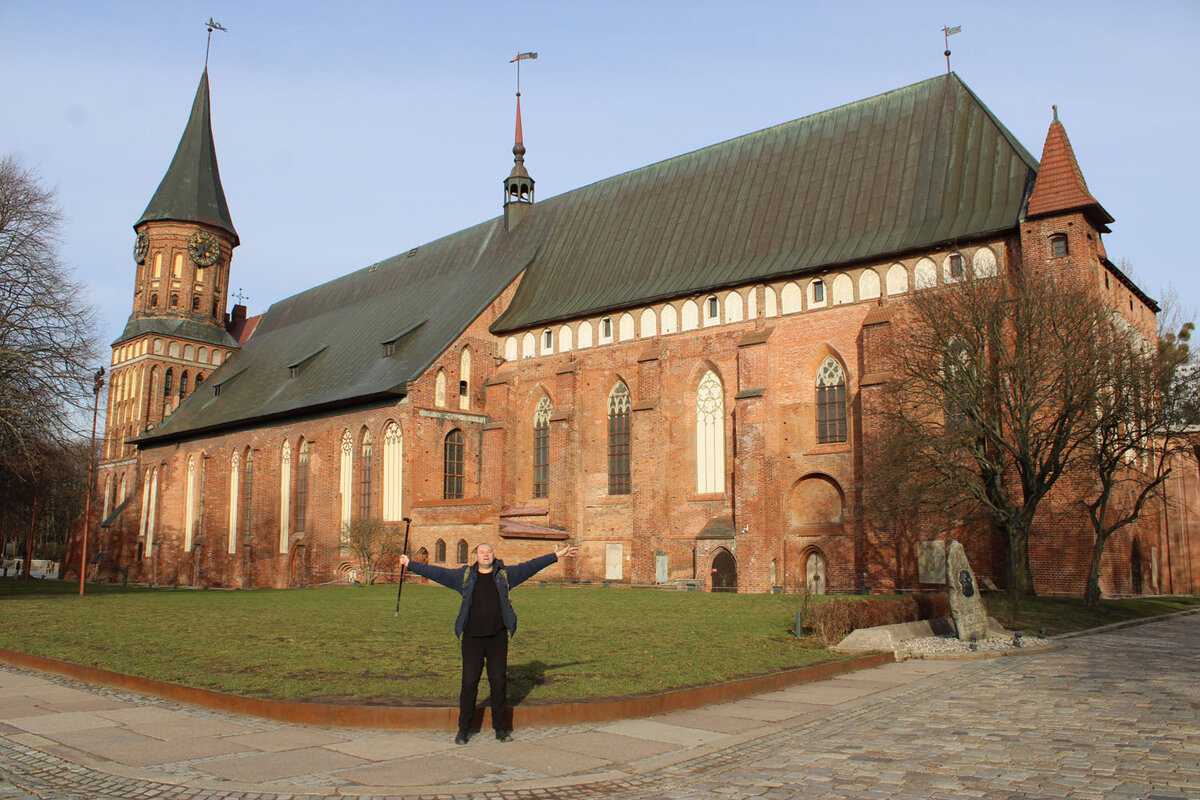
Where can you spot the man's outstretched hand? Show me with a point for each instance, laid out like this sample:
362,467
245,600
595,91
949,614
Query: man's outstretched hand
566,551
404,560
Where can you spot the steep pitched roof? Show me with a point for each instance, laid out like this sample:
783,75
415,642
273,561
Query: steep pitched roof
324,348
191,190
1060,185
921,165
918,166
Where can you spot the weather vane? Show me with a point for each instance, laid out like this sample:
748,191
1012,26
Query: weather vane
212,26
521,57
947,31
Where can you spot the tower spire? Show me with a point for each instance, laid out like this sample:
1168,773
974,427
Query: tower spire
518,186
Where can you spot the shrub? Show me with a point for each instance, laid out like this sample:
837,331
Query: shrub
834,619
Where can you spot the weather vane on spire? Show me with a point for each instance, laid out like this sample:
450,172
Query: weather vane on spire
521,57
212,26
948,32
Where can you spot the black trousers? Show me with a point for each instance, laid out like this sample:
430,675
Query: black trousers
475,650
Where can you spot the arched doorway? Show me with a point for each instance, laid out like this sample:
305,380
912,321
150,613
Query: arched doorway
724,572
814,572
298,570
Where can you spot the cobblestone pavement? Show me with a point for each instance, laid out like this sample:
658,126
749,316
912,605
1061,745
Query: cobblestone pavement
1115,715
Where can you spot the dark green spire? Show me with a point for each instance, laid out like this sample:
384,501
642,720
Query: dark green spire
191,190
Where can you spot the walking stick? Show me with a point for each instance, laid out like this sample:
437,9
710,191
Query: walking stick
400,587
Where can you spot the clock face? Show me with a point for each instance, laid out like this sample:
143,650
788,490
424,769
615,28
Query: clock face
204,248
140,245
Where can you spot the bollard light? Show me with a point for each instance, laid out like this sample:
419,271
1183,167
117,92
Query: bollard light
1016,638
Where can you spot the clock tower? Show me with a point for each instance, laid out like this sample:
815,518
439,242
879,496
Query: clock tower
176,334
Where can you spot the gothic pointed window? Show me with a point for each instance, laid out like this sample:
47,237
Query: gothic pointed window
710,435
452,487
189,503
302,487
462,552
346,486
248,493
831,402
464,380
439,389
541,448
439,551
618,440
234,466
168,383
183,384
285,494
393,473
364,477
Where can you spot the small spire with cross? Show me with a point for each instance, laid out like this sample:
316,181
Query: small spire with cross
241,298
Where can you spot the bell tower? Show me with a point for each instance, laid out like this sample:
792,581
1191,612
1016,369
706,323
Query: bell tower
518,186
176,334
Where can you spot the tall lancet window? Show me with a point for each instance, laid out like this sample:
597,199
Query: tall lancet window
145,518
618,440
364,477
393,473
189,505
346,486
234,464
151,523
285,494
831,402
464,380
248,493
452,486
439,389
710,435
302,488
541,448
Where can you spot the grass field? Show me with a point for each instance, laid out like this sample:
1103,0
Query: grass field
345,644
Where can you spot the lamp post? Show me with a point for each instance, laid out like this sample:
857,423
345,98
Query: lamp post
87,502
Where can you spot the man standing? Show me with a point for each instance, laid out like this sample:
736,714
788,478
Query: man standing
485,620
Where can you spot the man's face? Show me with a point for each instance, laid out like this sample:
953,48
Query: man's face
484,555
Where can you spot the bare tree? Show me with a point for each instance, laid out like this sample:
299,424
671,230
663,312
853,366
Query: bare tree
47,348
1143,413
994,388
373,543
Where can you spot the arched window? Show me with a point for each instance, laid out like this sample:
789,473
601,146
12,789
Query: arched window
301,506
346,485
234,462
174,301
959,383
541,448
462,551
153,301
439,551
712,309
816,292
364,478
183,383
393,472
452,487
285,494
248,493
618,440
168,383
199,379
831,402
195,303
439,389
710,435
1058,245
189,500
464,380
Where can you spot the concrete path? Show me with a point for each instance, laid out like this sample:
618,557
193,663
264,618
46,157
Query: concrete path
1114,715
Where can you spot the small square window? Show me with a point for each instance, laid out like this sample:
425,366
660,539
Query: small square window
1058,245
606,327
462,388
293,372
389,349
547,339
818,291
712,307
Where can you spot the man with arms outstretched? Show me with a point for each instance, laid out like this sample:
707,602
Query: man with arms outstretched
485,620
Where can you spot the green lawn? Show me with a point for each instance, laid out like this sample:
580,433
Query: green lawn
344,643
338,643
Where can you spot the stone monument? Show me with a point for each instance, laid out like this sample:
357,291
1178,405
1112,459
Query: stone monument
966,603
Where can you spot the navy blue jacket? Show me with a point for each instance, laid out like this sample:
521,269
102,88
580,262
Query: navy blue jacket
462,580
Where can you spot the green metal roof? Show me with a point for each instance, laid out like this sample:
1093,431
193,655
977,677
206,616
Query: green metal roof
181,328
925,164
191,190
921,165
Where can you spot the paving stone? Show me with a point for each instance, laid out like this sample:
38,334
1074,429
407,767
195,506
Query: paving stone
390,746
288,738
425,771
272,766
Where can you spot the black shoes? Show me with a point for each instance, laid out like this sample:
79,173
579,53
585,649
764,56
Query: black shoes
461,738
504,736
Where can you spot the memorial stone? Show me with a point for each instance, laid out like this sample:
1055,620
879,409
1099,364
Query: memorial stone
966,603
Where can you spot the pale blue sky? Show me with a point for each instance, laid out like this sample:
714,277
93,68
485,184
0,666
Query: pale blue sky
347,133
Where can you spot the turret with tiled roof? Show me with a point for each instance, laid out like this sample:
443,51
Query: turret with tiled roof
1060,186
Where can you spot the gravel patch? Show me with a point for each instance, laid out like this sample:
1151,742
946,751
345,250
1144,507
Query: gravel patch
933,646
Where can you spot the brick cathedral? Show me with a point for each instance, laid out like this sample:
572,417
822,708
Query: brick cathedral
674,368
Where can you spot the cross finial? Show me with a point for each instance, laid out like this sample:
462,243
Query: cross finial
241,298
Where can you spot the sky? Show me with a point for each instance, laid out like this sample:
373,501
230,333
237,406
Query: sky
350,132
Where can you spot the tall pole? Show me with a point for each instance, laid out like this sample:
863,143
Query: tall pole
87,501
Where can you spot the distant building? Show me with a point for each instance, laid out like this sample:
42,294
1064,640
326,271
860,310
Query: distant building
674,368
